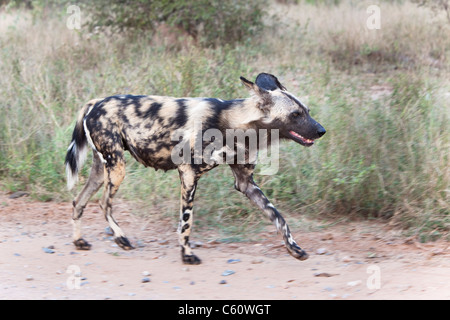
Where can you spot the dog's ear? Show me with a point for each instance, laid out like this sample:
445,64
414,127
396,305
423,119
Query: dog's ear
255,88
263,94
247,83
269,82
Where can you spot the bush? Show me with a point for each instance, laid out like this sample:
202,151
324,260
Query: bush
210,22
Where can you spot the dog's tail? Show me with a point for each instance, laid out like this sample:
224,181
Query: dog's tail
76,153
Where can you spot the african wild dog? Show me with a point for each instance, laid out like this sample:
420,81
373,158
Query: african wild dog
144,126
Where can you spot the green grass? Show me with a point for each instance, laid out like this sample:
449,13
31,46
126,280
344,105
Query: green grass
384,155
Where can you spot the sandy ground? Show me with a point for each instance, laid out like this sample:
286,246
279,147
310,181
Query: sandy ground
358,260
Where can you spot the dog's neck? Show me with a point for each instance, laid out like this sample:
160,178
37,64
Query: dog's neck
244,115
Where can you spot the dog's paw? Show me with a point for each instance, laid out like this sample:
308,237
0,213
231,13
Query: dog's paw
298,253
124,243
190,259
82,244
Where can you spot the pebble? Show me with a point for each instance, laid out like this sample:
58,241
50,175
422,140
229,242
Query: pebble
321,251
18,194
146,273
257,261
30,278
145,280
196,244
347,259
48,250
223,282
228,272
324,274
354,283
233,260
109,231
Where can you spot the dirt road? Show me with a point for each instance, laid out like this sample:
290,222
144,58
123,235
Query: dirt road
360,260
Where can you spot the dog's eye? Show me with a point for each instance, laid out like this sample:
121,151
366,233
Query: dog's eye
296,114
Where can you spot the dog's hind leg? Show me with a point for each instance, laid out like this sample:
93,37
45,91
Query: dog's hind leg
243,175
94,183
114,175
188,185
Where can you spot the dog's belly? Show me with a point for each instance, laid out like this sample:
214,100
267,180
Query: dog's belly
155,150
157,162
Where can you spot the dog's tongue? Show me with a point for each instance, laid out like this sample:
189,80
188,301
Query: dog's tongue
295,134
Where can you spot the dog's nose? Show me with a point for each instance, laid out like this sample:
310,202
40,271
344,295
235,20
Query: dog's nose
321,131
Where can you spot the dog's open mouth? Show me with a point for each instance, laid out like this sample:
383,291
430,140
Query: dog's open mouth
300,139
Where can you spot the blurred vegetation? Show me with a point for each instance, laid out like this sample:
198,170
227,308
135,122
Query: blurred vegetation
208,22
436,5
383,96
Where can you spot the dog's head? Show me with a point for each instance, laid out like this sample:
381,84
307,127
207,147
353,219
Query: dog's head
283,111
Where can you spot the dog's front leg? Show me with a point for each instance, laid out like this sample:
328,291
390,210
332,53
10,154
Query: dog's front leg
244,183
188,185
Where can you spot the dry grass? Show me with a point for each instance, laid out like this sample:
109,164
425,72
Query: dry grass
409,35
